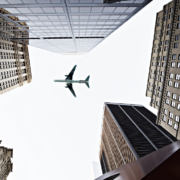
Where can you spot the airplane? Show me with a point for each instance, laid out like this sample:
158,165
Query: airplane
69,81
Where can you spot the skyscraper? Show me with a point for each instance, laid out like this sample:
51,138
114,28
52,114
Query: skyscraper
129,132
70,26
164,71
5,160
15,67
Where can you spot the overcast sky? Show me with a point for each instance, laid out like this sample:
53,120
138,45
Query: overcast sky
56,136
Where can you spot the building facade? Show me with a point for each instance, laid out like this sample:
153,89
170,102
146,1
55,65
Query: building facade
6,165
15,67
163,86
129,132
70,26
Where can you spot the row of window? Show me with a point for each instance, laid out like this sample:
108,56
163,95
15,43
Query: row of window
176,84
8,84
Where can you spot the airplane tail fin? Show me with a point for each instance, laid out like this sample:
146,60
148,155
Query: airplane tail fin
87,83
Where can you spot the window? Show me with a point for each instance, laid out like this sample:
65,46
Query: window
170,16
164,118
159,94
169,26
166,12
157,103
167,101
176,84
171,115
161,79
177,118
178,26
176,45
168,32
154,92
179,57
165,48
154,50
165,18
171,9
177,76
170,83
168,94
174,57
158,24
159,64
174,96
153,101
165,111
178,106
160,88
173,64
173,104
170,122
149,88
167,42
176,37
171,76
163,64
178,65
175,126
164,58
162,43
178,18
162,73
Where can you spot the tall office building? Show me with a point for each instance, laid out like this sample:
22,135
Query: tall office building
15,67
5,161
163,85
70,26
129,132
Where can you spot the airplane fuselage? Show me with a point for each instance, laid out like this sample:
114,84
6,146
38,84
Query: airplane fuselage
71,81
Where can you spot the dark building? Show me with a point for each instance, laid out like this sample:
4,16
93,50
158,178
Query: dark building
70,26
163,86
129,132
162,164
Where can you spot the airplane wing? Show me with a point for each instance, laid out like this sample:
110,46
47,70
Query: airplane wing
70,75
71,89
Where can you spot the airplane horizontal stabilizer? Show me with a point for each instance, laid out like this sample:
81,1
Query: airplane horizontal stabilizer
87,79
87,84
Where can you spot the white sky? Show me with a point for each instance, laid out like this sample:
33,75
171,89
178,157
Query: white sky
56,136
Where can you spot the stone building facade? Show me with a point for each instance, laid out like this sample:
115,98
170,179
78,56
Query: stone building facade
163,86
15,67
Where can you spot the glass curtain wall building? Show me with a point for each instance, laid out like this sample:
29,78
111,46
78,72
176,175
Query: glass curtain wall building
70,26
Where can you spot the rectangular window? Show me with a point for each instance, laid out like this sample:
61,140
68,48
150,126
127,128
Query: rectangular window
159,94
164,118
171,76
171,115
178,106
176,45
165,48
174,57
169,122
162,73
173,64
163,64
168,94
166,12
170,83
177,118
153,101
168,32
178,65
167,42
165,111
167,101
177,38
162,43
170,16
175,126
174,96
157,103
164,58
161,79
178,18
178,26
176,85
177,76
165,18
171,9
173,104
169,26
